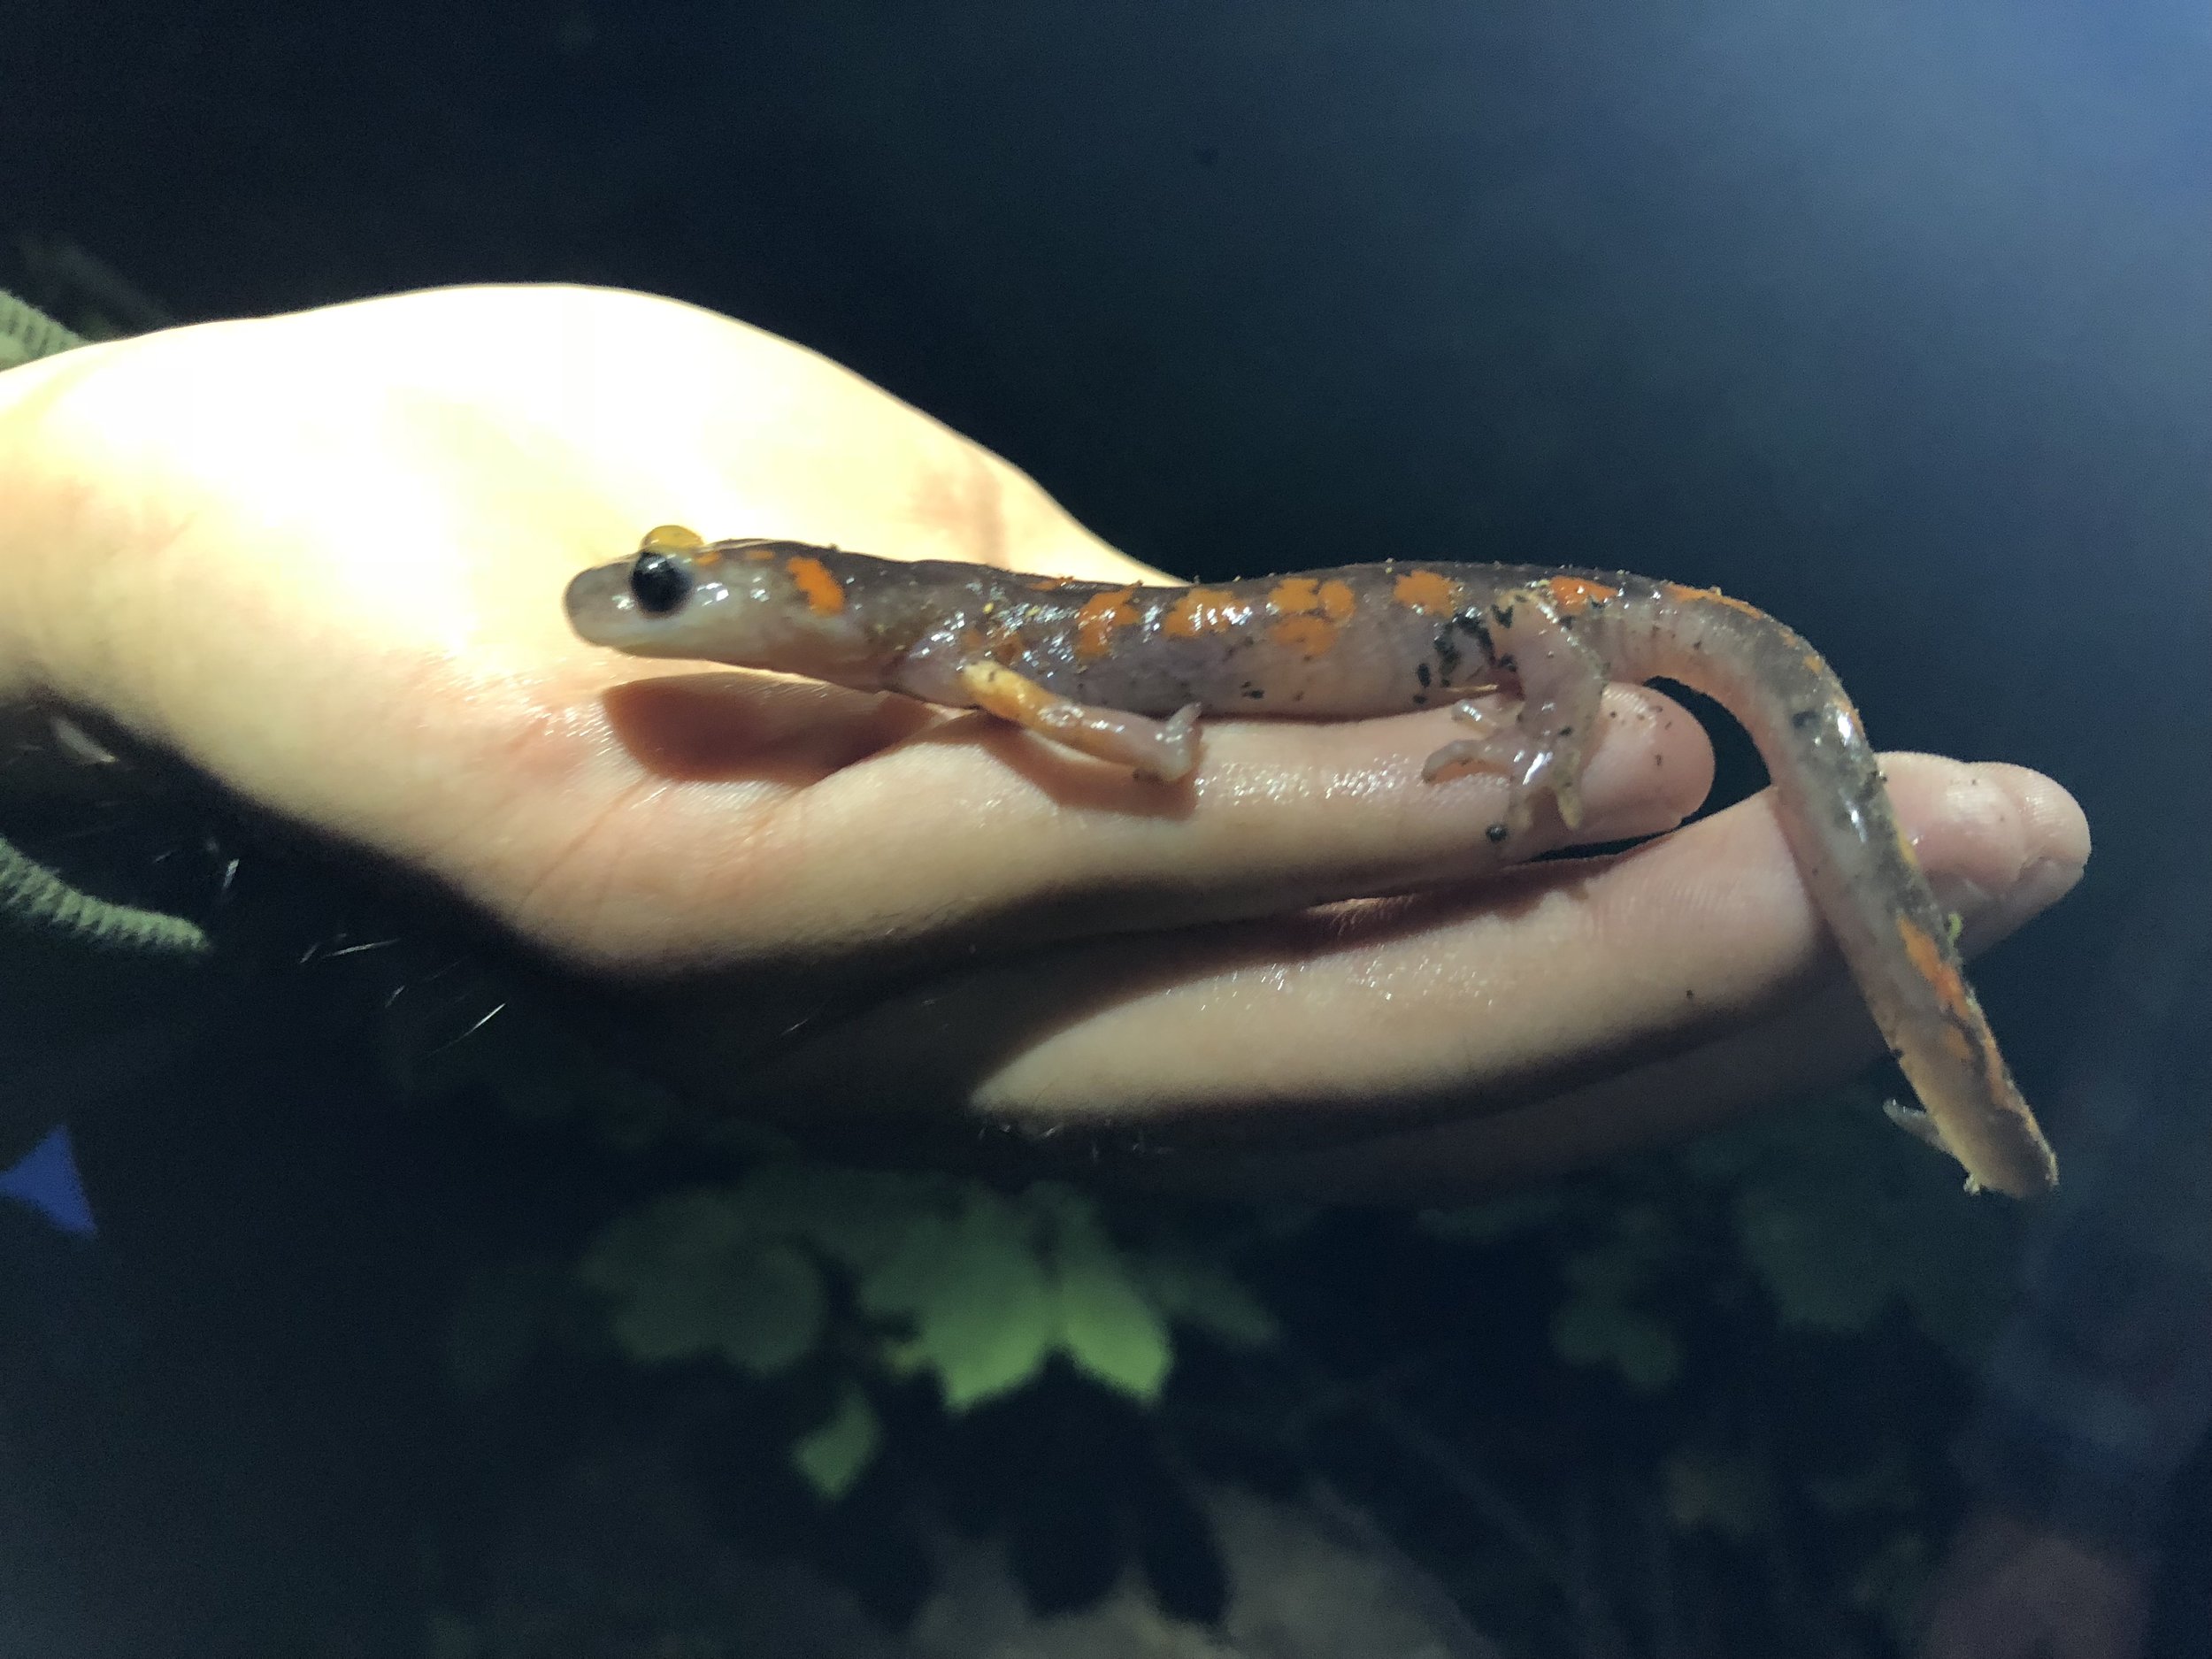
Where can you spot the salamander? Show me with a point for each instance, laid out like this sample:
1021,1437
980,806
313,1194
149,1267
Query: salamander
1124,672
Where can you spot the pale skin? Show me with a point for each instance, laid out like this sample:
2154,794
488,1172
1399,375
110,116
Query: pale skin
320,557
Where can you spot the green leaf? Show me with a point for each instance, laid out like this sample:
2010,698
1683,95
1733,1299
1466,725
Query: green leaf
901,1284
1839,1214
991,1326
833,1456
859,1218
902,1357
773,1311
1107,1327
1593,1330
688,1277
1599,1322
983,1310
1819,1276
1713,1491
1206,1298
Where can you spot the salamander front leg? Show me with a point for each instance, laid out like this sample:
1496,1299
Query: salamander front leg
1542,745
1166,749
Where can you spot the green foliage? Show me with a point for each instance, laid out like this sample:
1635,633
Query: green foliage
1708,1489
947,1278
870,1275
1774,1243
942,1277
840,1298
834,1281
1600,1322
1834,1213
691,1276
951,1278
1204,1295
968,1282
1593,1331
1108,1328
835,1457
1841,1216
28,334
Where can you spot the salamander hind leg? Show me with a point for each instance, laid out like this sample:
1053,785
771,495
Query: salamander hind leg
1166,749
1541,747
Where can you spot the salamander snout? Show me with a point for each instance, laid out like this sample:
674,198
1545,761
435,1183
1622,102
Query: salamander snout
751,603
654,602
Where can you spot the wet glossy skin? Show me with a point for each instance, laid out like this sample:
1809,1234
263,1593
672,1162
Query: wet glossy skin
1123,672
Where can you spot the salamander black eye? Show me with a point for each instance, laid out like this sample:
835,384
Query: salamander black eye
659,583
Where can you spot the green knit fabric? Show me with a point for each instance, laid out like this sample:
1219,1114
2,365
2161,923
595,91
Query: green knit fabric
27,333
33,896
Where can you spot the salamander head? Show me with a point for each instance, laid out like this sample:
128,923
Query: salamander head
752,605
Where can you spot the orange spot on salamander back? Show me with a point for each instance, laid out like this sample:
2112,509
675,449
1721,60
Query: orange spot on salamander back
1205,611
1311,636
1101,617
824,594
1578,593
1333,600
1432,593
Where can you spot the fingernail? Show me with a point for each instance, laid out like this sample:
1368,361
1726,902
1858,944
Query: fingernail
2040,884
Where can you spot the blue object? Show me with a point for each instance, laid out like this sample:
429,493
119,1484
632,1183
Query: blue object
47,1181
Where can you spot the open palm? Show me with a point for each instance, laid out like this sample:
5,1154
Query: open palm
320,559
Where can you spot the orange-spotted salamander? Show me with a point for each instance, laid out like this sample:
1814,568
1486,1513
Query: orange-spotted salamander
1123,674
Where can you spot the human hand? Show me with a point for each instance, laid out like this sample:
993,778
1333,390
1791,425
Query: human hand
320,559
2012,1590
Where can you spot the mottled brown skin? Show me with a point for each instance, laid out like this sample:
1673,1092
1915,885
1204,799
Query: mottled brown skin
1123,674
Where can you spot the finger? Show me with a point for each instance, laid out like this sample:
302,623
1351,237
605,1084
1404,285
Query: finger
1564,1012
480,747
816,824
2001,844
